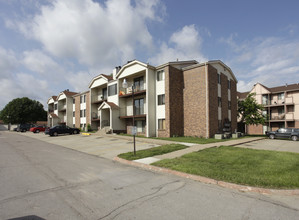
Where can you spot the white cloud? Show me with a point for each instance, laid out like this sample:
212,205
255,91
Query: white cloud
8,62
271,61
96,35
185,44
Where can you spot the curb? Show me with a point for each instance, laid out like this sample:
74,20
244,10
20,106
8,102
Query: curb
206,180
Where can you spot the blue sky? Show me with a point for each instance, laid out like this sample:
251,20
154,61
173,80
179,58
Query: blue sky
47,46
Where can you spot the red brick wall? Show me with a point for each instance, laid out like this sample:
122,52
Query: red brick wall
88,120
234,110
254,129
77,111
174,102
195,102
224,98
213,100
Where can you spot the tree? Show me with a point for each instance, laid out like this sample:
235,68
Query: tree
23,110
250,112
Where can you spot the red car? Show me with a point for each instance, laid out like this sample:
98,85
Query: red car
38,129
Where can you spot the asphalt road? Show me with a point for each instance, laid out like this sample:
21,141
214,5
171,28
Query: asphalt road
48,181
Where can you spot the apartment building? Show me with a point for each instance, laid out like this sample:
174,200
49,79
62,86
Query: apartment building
281,105
60,108
183,98
174,99
81,110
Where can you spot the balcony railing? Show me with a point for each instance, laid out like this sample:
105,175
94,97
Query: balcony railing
62,108
273,103
95,116
125,92
128,112
98,99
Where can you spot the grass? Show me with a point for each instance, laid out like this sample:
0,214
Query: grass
195,140
152,151
269,169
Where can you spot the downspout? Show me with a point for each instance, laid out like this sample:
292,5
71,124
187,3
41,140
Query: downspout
207,103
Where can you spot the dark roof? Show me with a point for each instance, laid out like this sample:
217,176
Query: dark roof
284,88
108,77
68,93
242,95
112,105
54,97
53,115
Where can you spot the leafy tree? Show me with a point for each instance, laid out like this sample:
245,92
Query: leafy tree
250,112
23,110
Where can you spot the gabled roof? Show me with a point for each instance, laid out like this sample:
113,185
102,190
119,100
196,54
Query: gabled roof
277,89
213,62
242,95
67,93
52,97
52,115
131,63
106,77
292,87
110,104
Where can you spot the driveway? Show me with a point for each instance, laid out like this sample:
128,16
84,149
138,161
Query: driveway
103,146
46,181
276,144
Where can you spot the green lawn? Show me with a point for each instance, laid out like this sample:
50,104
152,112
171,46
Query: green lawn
269,169
152,151
195,140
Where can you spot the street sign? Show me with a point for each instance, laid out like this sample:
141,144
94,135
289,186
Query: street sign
134,130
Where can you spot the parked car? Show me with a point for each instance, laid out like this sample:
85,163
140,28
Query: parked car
38,129
289,133
62,129
24,127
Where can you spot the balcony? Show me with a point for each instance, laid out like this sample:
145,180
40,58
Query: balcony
282,117
282,102
62,108
50,111
128,113
95,116
127,92
98,99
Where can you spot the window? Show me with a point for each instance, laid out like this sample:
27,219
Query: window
161,99
161,124
55,106
112,90
280,96
104,92
81,114
219,102
229,105
139,83
219,79
73,114
228,84
74,125
73,101
82,98
160,75
84,113
139,106
140,126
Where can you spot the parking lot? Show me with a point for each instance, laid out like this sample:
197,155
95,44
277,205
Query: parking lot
276,144
103,146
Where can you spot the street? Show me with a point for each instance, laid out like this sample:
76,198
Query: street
47,181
